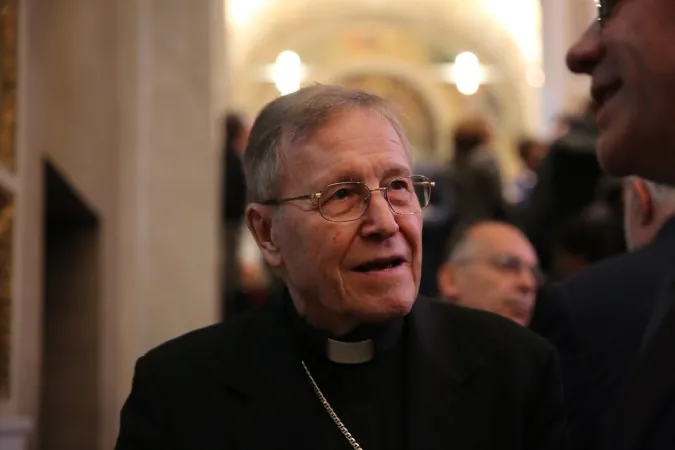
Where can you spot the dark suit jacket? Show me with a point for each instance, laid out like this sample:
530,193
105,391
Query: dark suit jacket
597,320
475,381
644,418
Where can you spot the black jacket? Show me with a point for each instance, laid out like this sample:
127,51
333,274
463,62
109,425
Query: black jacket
597,321
475,381
644,418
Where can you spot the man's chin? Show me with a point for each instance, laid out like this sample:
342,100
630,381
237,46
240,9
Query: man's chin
623,155
615,153
385,311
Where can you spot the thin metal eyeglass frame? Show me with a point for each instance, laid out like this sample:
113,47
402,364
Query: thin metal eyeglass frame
495,261
604,11
317,195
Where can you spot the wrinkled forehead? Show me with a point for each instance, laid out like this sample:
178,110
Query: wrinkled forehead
349,124
354,145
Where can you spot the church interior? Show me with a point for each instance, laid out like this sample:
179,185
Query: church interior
111,146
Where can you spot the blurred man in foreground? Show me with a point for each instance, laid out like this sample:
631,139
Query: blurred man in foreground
599,337
628,52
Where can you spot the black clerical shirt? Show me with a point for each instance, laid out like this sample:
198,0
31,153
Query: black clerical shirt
367,397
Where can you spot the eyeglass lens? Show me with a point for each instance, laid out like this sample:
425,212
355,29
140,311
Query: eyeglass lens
348,201
605,9
516,265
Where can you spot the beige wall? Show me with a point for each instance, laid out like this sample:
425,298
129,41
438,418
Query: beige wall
124,98
67,87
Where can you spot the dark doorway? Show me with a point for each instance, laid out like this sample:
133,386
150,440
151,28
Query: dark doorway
69,413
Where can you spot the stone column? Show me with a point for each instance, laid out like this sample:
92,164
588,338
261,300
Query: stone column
171,57
124,98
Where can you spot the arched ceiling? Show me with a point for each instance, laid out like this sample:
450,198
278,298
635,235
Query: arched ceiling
504,25
503,33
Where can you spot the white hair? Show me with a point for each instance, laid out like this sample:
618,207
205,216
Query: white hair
295,116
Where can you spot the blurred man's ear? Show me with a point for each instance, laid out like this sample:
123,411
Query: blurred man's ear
445,279
645,201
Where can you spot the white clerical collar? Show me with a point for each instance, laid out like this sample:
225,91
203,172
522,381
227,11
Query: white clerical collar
350,352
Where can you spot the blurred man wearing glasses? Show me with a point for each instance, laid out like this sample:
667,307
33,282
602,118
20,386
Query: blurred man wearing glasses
348,356
493,267
614,324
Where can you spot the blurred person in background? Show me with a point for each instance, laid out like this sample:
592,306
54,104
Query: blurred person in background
567,184
589,237
531,153
349,355
474,176
234,198
492,267
628,54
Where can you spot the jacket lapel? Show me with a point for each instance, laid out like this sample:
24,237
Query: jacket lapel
442,384
265,373
650,386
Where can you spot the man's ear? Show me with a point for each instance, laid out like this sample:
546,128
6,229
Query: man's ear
260,220
645,201
445,279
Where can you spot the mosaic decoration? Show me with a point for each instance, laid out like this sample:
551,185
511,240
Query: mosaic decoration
6,236
8,82
416,117
8,85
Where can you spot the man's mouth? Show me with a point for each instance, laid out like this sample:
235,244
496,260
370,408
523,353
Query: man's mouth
379,264
602,92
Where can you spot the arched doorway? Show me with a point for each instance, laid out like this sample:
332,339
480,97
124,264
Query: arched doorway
416,115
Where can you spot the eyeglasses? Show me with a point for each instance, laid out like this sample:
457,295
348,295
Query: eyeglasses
349,200
511,264
605,10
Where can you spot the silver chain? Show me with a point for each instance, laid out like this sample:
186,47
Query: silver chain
330,411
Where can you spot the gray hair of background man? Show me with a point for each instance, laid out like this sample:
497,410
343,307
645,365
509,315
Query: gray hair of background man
460,245
296,117
463,242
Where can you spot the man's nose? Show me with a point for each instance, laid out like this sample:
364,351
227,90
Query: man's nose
527,282
379,220
587,51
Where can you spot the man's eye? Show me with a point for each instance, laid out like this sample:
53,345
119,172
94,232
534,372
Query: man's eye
341,194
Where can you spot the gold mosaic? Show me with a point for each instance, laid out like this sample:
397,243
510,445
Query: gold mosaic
8,82
8,86
6,236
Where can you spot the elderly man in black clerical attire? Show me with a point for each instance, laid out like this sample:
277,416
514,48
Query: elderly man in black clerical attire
349,356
